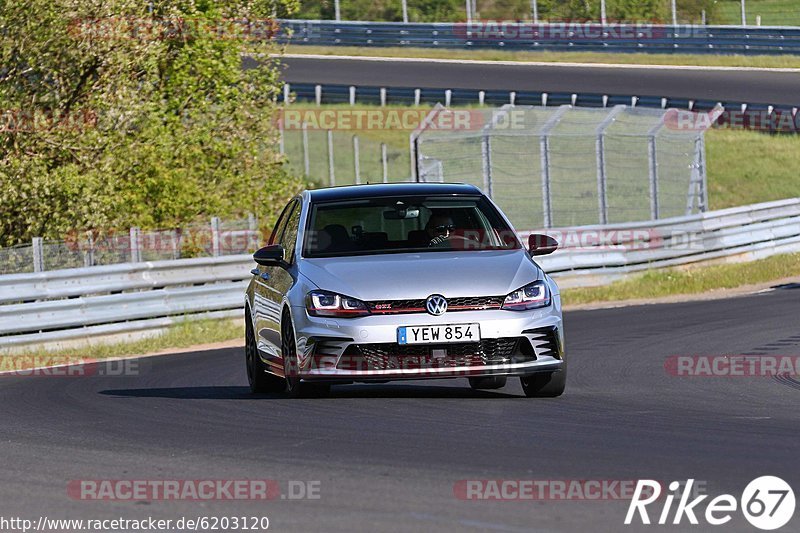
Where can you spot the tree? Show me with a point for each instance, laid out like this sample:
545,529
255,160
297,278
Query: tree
120,112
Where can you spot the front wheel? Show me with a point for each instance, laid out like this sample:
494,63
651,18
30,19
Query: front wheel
294,387
546,384
257,376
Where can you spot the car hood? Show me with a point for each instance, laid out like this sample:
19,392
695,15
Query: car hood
412,276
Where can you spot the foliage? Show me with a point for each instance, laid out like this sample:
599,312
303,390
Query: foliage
117,116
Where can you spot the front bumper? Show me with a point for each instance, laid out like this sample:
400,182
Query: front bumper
365,349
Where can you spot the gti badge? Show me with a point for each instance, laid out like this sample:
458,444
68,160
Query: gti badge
436,304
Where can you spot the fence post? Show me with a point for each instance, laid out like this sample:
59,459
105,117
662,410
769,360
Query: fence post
286,93
600,151
38,254
281,142
544,161
413,145
356,162
486,159
652,166
176,251
136,251
306,162
384,163
215,245
331,171
252,225
703,175
88,256
535,11
653,173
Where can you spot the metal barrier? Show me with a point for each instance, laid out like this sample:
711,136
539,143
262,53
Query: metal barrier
81,303
568,36
343,94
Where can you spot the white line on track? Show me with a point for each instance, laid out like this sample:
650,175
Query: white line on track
534,63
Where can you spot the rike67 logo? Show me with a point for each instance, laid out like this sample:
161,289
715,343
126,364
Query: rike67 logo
767,503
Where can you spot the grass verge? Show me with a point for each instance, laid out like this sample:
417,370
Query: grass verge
709,60
182,335
696,280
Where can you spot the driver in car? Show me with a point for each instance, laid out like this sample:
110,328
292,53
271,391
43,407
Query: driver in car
439,228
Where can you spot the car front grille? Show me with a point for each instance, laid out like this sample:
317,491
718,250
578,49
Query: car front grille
393,356
470,303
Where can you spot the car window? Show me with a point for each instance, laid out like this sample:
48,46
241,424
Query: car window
289,237
405,224
280,225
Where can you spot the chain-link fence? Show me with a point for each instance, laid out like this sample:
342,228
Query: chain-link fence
570,166
216,238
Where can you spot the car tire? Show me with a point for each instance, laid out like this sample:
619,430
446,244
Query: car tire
487,382
295,388
545,384
258,378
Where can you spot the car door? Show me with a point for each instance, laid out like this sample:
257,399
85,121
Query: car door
284,278
268,295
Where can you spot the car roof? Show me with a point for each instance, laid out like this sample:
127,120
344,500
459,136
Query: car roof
349,192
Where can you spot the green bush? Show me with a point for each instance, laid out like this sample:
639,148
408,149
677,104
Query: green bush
123,128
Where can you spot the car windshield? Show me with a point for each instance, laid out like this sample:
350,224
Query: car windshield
405,224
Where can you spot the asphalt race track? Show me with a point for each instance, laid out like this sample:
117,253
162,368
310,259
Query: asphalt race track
387,456
754,86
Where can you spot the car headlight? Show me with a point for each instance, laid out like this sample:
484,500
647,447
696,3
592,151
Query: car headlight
531,296
323,303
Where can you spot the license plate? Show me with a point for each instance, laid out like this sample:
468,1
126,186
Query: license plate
438,334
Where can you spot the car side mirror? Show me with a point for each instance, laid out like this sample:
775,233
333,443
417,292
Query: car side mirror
541,244
272,255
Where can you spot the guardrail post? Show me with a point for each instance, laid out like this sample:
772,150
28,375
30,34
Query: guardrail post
286,94
38,254
448,97
136,250
306,161
352,95
215,245
383,96
481,97
331,171
417,95
356,158
318,94
384,163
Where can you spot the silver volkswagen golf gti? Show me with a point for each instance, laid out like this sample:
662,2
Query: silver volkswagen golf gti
374,283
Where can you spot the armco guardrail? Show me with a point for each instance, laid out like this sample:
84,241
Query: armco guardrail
56,306
568,36
343,94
